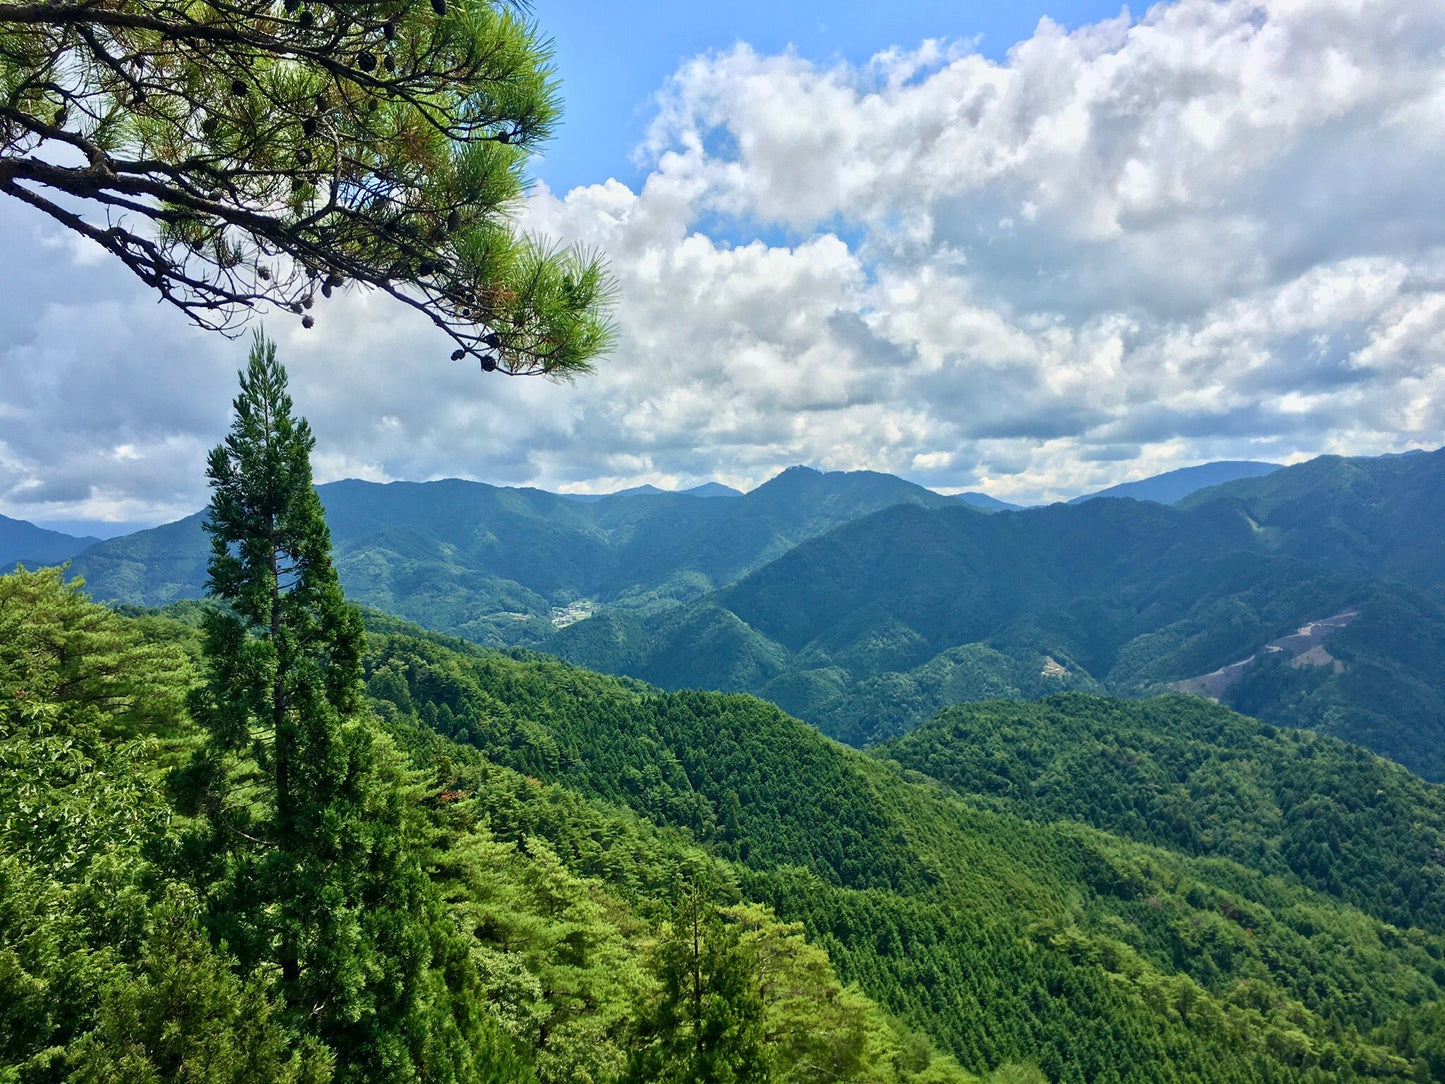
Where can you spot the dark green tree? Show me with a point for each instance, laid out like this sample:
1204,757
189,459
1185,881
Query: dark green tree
311,839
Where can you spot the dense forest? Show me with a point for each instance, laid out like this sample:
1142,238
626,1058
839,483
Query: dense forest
904,913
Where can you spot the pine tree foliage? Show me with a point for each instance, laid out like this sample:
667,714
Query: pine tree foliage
99,981
76,675
265,153
706,1026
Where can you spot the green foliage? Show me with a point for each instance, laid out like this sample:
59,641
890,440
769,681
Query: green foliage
309,844
1184,774
706,1025
524,886
74,677
265,153
1003,937
98,966
182,1015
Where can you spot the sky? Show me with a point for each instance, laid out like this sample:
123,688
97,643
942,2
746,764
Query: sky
1031,249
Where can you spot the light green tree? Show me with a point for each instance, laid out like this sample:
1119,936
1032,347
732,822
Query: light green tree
80,1000
706,1025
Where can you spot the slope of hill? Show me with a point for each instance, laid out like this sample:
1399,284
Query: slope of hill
872,627
23,541
564,808
1175,485
152,567
1002,932
1382,516
1207,783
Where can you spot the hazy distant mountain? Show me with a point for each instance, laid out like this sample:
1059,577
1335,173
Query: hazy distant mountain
21,541
707,489
987,503
713,489
632,491
1175,485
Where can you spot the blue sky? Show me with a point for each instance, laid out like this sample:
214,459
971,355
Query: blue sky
945,241
613,58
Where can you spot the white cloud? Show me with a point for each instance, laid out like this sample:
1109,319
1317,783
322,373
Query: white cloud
1213,232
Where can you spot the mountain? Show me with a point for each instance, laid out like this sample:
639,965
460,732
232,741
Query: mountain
1381,516
713,489
863,604
632,491
21,541
987,503
707,489
1175,485
867,630
493,563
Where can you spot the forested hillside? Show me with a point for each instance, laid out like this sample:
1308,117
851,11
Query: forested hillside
863,604
544,941
1205,782
1380,515
868,630
568,813
1001,935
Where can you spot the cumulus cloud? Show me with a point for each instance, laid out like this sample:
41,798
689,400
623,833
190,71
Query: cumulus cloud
1211,232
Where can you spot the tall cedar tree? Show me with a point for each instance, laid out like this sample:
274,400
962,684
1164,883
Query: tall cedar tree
311,839
245,154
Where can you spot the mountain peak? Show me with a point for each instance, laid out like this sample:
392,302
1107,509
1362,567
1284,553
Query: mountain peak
21,540
1175,485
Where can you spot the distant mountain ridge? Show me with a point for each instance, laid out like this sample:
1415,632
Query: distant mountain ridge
987,503
863,603
23,541
457,554
1175,485
707,489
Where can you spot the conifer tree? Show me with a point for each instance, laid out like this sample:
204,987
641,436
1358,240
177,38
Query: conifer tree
239,155
311,837
707,1026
